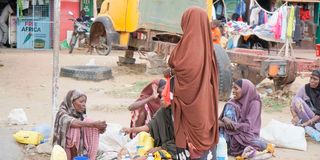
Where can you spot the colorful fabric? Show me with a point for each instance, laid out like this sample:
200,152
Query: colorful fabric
290,22
216,33
297,36
166,92
284,24
195,101
304,14
86,144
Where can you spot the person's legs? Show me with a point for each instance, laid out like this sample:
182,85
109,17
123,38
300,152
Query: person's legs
1,36
302,110
312,27
4,28
303,24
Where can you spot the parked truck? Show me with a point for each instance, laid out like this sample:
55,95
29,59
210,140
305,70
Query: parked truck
154,26
151,25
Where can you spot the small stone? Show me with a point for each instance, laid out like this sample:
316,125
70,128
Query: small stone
44,148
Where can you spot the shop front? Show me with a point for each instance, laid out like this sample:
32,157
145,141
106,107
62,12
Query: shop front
34,24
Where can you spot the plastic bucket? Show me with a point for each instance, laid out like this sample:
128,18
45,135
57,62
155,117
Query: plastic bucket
318,50
81,158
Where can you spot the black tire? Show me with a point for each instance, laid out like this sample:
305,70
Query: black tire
104,47
225,73
92,73
73,42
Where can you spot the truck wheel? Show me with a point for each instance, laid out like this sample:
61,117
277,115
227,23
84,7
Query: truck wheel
225,73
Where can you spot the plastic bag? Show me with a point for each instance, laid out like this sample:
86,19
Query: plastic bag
284,135
44,130
112,140
17,117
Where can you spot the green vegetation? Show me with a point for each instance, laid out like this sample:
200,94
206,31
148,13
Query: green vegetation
132,91
273,104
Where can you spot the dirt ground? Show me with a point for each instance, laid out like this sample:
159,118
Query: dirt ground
26,77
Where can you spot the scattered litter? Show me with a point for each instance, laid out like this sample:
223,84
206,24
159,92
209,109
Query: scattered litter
17,117
92,62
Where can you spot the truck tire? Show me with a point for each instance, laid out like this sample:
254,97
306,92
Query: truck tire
92,73
225,73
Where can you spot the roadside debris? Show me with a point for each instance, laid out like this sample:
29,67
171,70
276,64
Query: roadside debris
17,117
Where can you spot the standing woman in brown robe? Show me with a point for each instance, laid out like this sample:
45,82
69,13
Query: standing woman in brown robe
195,101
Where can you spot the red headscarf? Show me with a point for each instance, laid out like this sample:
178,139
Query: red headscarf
195,102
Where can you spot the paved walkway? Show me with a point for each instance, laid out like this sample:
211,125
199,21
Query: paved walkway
9,147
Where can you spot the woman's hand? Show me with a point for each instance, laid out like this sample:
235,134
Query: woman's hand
228,123
153,150
100,125
220,123
126,130
295,120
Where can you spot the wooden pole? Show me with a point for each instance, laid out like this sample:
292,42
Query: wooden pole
56,51
95,8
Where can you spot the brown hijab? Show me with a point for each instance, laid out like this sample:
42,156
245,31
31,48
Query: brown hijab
195,102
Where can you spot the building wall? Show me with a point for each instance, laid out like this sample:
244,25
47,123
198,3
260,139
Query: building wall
65,24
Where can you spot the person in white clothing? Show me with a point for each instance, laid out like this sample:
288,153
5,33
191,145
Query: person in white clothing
3,25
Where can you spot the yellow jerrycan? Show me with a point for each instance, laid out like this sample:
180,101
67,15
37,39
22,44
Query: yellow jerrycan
28,137
145,143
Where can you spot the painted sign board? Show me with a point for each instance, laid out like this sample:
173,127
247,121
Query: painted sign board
33,33
87,5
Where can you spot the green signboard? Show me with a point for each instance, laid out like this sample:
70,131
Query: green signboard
87,5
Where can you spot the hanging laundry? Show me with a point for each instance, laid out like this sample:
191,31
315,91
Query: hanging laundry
241,8
213,13
254,15
290,22
297,36
219,8
261,17
265,17
277,27
284,24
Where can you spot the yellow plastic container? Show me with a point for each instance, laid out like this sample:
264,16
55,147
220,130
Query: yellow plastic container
28,137
145,143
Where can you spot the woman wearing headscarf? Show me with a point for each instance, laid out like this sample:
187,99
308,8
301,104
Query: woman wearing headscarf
195,95
73,131
143,109
240,120
305,106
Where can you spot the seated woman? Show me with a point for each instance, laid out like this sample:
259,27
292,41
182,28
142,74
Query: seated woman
146,105
73,131
305,106
161,129
240,120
